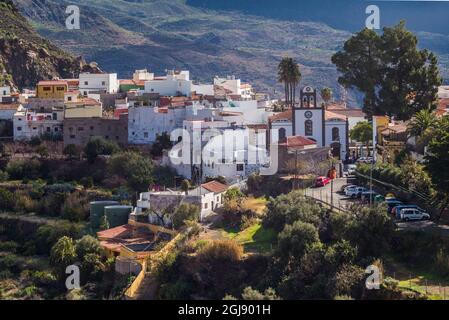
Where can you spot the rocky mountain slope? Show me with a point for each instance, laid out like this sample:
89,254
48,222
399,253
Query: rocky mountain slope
123,35
25,57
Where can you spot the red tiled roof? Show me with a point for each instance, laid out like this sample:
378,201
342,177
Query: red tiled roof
397,128
286,115
215,186
116,232
114,238
334,115
90,102
349,112
52,83
297,141
11,106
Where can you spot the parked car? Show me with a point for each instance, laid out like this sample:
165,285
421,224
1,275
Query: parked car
355,192
351,169
322,181
365,160
365,196
414,214
348,186
391,203
396,211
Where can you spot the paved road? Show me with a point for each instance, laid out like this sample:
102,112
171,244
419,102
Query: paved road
337,198
343,202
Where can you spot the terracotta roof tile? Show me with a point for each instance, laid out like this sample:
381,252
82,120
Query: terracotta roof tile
286,115
215,186
297,141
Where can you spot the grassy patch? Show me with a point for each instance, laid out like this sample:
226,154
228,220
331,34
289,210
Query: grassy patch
254,239
418,279
257,205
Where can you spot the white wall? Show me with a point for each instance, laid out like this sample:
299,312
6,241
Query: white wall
251,113
144,123
98,82
229,83
25,129
169,87
204,89
276,126
341,125
5,91
317,119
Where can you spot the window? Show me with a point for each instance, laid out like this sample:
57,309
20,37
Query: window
4,92
335,134
91,128
69,98
145,134
85,93
48,129
19,128
103,83
80,128
308,128
56,129
240,167
282,133
72,136
60,88
205,206
86,83
34,128
55,116
47,89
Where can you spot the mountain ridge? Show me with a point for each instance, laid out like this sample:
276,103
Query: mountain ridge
158,34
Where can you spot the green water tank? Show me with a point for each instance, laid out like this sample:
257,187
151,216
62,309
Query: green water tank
117,215
97,211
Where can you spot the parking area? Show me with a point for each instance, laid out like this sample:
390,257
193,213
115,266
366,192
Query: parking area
332,194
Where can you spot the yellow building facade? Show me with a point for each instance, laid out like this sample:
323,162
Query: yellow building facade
51,89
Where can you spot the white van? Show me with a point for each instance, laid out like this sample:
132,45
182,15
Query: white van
413,214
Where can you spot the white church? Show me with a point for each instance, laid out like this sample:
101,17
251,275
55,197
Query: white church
327,125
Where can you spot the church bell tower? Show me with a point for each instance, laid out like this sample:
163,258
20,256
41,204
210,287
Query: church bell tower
310,117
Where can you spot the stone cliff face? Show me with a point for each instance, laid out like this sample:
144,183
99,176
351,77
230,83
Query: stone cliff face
25,57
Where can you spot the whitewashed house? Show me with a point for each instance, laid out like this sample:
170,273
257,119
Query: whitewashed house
5,92
28,124
98,82
175,83
153,204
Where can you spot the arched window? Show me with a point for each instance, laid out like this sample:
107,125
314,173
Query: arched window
282,134
335,134
308,125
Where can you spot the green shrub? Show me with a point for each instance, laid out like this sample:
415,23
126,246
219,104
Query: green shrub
7,200
24,169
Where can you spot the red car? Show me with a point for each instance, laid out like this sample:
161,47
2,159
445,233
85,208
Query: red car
322,181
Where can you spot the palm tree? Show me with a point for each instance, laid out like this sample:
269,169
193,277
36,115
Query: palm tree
290,75
422,122
326,95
